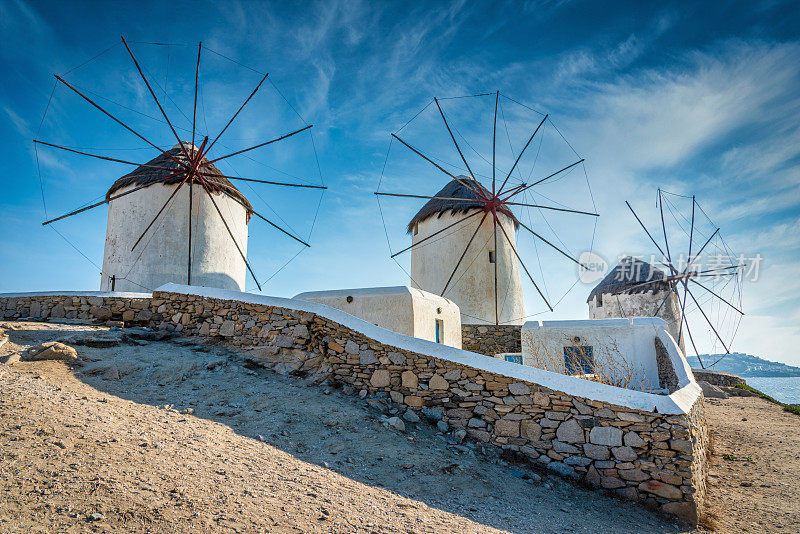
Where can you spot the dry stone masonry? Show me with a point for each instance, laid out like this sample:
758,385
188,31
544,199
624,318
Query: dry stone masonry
491,339
657,459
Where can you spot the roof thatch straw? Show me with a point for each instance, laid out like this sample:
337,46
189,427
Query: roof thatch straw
455,189
147,175
628,273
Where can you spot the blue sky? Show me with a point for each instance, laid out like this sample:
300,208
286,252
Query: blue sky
695,99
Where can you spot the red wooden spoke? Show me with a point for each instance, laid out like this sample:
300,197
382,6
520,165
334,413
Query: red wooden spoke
214,202
664,229
109,199
494,169
496,252
549,243
194,112
483,201
104,157
685,321
161,109
702,248
689,257
281,229
175,192
464,253
426,158
645,228
552,208
453,138
189,260
520,155
686,287
550,175
524,267
716,295
264,181
474,213
140,136
262,144
239,110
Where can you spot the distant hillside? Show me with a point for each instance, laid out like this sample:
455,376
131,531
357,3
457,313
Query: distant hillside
746,365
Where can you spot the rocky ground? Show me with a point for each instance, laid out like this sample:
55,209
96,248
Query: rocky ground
755,476
175,436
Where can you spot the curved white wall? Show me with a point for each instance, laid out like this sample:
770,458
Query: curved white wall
162,256
472,287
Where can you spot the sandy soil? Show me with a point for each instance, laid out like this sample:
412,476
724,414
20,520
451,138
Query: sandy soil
755,478
177,437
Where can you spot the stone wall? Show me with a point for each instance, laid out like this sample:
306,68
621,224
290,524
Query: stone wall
491,339
718,378
667,378
133,308
654,458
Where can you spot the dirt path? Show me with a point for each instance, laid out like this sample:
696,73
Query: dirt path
755,479
260,453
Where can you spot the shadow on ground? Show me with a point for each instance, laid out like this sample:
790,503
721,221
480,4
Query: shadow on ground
321,425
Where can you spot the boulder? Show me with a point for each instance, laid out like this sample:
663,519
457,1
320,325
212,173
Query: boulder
711,391
52,350
661,489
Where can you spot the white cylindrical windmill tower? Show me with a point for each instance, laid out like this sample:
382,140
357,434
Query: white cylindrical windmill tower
460,263
191,241
634,288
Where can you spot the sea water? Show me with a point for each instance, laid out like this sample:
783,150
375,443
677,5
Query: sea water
784,389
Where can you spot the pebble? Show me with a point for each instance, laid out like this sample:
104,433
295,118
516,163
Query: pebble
96,516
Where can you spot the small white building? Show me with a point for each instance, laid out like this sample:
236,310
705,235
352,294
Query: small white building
162,256
471,286
401,309
638,349
634,288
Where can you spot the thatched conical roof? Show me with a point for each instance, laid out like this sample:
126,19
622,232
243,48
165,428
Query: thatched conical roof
628,273
145,175
455,189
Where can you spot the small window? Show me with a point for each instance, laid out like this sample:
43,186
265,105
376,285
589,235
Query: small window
416,229
491,256
579,360
439,331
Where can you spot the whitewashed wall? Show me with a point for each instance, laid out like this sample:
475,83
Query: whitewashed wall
472,287
635,340
401,309
162,256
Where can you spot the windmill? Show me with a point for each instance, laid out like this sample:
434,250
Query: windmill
195,190
464,243
718,299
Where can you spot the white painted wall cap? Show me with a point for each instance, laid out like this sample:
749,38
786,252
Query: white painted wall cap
373,292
